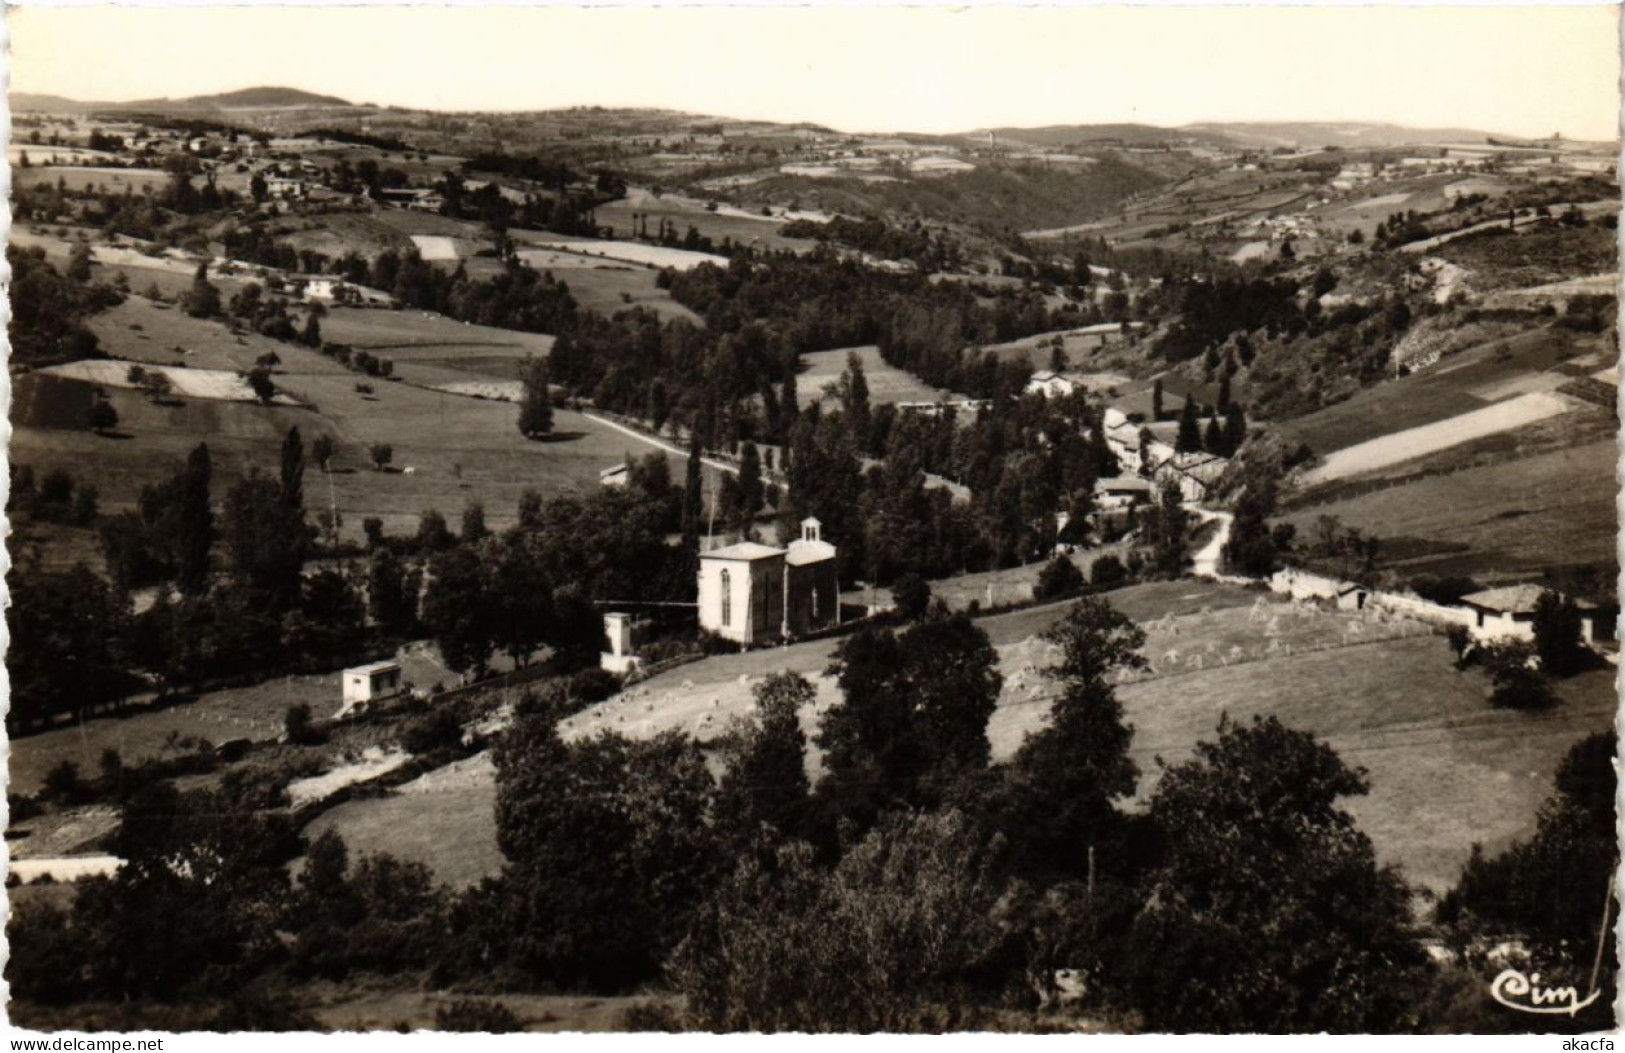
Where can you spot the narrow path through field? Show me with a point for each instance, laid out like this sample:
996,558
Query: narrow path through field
1205,564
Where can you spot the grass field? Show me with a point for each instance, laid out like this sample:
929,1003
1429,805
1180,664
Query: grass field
386,331
1507,519
1446,770
141,732
1434,394
110,180
454,831
1398,447
220,384
163,334
458,448
887,383
636,252
607,286
989,589
735,224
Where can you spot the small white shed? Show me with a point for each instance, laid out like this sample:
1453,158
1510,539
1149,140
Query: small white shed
369,683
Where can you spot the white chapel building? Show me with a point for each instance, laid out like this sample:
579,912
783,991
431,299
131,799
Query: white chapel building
755,594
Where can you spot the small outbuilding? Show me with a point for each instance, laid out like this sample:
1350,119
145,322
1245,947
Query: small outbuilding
370,683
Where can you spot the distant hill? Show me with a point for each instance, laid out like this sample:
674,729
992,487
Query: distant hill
247,98
1083,134
27,100
1349,135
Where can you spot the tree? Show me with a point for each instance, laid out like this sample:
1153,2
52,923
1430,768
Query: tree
194,523
1107,571
1235,429
260,382
1254,843
297,727
155,384
1059,578
473,528
912,595
530,508
433,534
321,451
693,509
265,541
293,473
912,722
67,635
766,779
536,402
79,259
854,395
1213,439
1250,549
1156,399
1558,634
103,418
258,189
608,851
899,936
1189,439
751,497
203,299
455,611
390,603
1058,792
1167,529
381,454
951,670
1516,684
519,597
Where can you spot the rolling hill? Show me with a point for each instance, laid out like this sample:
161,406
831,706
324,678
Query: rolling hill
246,98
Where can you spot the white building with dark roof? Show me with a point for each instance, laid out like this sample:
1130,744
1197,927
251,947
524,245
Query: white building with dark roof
1508,613
752,593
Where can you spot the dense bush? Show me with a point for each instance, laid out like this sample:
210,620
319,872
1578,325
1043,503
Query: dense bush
1059,578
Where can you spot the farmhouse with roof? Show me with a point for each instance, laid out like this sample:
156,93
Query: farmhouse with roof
752,593
1121,491
1194,474
1508,613
1052,384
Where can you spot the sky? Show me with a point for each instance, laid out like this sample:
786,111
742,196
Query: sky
1516,70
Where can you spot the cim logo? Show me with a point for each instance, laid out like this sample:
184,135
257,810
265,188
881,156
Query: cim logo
1525,994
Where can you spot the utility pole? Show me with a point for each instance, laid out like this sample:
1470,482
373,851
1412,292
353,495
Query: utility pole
1091,893
332,509
711,524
